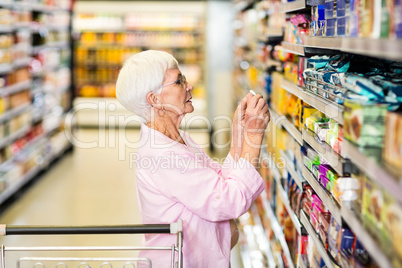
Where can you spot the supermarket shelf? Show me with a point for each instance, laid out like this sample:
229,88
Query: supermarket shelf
58,45
262,239
15,135
330,109
15,88
14,112
21,62
26,146
290,167
333,159
6,68
310,230
274,32
293,48
297,5
291,213
373,170
292,88
323,42
277,229
281,120
324,196
365,238
381,48
12,189
6,29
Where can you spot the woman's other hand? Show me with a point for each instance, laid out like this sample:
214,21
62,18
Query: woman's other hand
255,122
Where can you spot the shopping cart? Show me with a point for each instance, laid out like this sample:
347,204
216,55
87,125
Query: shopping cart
173,228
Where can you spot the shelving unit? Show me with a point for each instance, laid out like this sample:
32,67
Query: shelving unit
329,202
41,146
293,6
373,170
380,48
350,157
310,230
277,229
292,88
297,49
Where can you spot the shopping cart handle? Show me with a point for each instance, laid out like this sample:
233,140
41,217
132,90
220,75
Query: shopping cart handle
68,230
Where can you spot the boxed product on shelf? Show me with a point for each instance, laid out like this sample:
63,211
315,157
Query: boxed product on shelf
391,218
392,152
364,124
372,207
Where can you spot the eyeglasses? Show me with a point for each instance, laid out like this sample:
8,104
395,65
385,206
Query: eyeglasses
181,81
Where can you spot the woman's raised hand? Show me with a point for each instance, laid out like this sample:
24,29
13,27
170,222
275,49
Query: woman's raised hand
256,116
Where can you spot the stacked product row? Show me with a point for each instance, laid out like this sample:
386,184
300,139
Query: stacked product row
35,79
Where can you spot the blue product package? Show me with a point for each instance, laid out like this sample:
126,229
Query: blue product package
341,26
320,12
398,19
353,23
347,242
329,9
340,8
330,27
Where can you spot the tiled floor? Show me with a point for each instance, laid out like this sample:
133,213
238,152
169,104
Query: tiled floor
94,185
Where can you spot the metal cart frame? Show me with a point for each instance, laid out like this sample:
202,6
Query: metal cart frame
173,228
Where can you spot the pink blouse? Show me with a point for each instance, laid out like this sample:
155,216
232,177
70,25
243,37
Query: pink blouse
176,181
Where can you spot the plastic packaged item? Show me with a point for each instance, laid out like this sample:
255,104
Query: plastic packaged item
333,233
325,182
314,222
364,123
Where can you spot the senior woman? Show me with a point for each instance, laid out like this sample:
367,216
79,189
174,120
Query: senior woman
184,183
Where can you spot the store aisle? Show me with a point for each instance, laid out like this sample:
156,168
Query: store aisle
90,186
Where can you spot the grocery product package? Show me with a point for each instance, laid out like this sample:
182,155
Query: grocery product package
364,124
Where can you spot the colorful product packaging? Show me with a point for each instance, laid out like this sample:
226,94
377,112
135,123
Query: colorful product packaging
372,206
392,152
329,9
333,233
391,219
341,26
330,27
364,124
354,18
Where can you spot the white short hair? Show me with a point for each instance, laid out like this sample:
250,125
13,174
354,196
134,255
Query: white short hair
142,73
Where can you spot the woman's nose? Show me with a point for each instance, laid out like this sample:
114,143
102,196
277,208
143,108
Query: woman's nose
189,87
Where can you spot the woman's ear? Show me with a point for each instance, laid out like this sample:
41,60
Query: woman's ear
153,99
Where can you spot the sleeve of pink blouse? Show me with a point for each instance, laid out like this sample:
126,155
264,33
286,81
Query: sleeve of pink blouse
211,195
